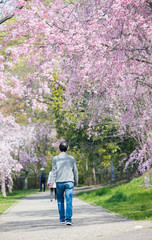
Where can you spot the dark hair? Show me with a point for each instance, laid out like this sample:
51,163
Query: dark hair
63,146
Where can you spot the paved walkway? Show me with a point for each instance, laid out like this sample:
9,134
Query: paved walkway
36,218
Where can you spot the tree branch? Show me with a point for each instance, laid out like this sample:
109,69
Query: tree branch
4,19
145,83
141,60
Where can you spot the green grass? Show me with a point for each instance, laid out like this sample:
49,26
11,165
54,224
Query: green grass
130,200
12,198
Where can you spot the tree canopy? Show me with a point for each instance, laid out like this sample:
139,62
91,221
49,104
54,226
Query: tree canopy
100,52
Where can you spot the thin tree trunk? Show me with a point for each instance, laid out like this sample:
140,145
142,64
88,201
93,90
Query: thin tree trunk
86,165
25,180
10,186
112,169
94,173
3,184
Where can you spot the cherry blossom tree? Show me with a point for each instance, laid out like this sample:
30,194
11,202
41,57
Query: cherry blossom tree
101,52
10,141
18,148
32,153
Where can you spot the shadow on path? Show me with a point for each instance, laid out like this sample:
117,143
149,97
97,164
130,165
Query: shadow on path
36,218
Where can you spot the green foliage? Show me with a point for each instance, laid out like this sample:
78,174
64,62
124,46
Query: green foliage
143,207
14,106
117,197
129,200
99,151
102,191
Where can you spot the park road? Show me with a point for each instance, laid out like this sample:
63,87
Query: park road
36,218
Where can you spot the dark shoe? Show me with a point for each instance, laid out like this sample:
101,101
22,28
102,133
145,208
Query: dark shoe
69,223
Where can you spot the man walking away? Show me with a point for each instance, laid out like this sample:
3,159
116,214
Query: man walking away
65,174
42,179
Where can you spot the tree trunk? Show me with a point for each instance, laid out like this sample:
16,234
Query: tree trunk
112,169
86,165
10,186
25,180
94,173
3,184
112,172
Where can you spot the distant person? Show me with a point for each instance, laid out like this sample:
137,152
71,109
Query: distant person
65,174
42,179
52,188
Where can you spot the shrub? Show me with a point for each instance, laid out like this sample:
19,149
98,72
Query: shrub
117,197
143,207
102,191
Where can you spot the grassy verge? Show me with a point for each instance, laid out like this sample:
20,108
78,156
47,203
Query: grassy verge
12,198
131,200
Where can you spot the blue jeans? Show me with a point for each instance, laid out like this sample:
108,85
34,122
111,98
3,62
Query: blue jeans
67,188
